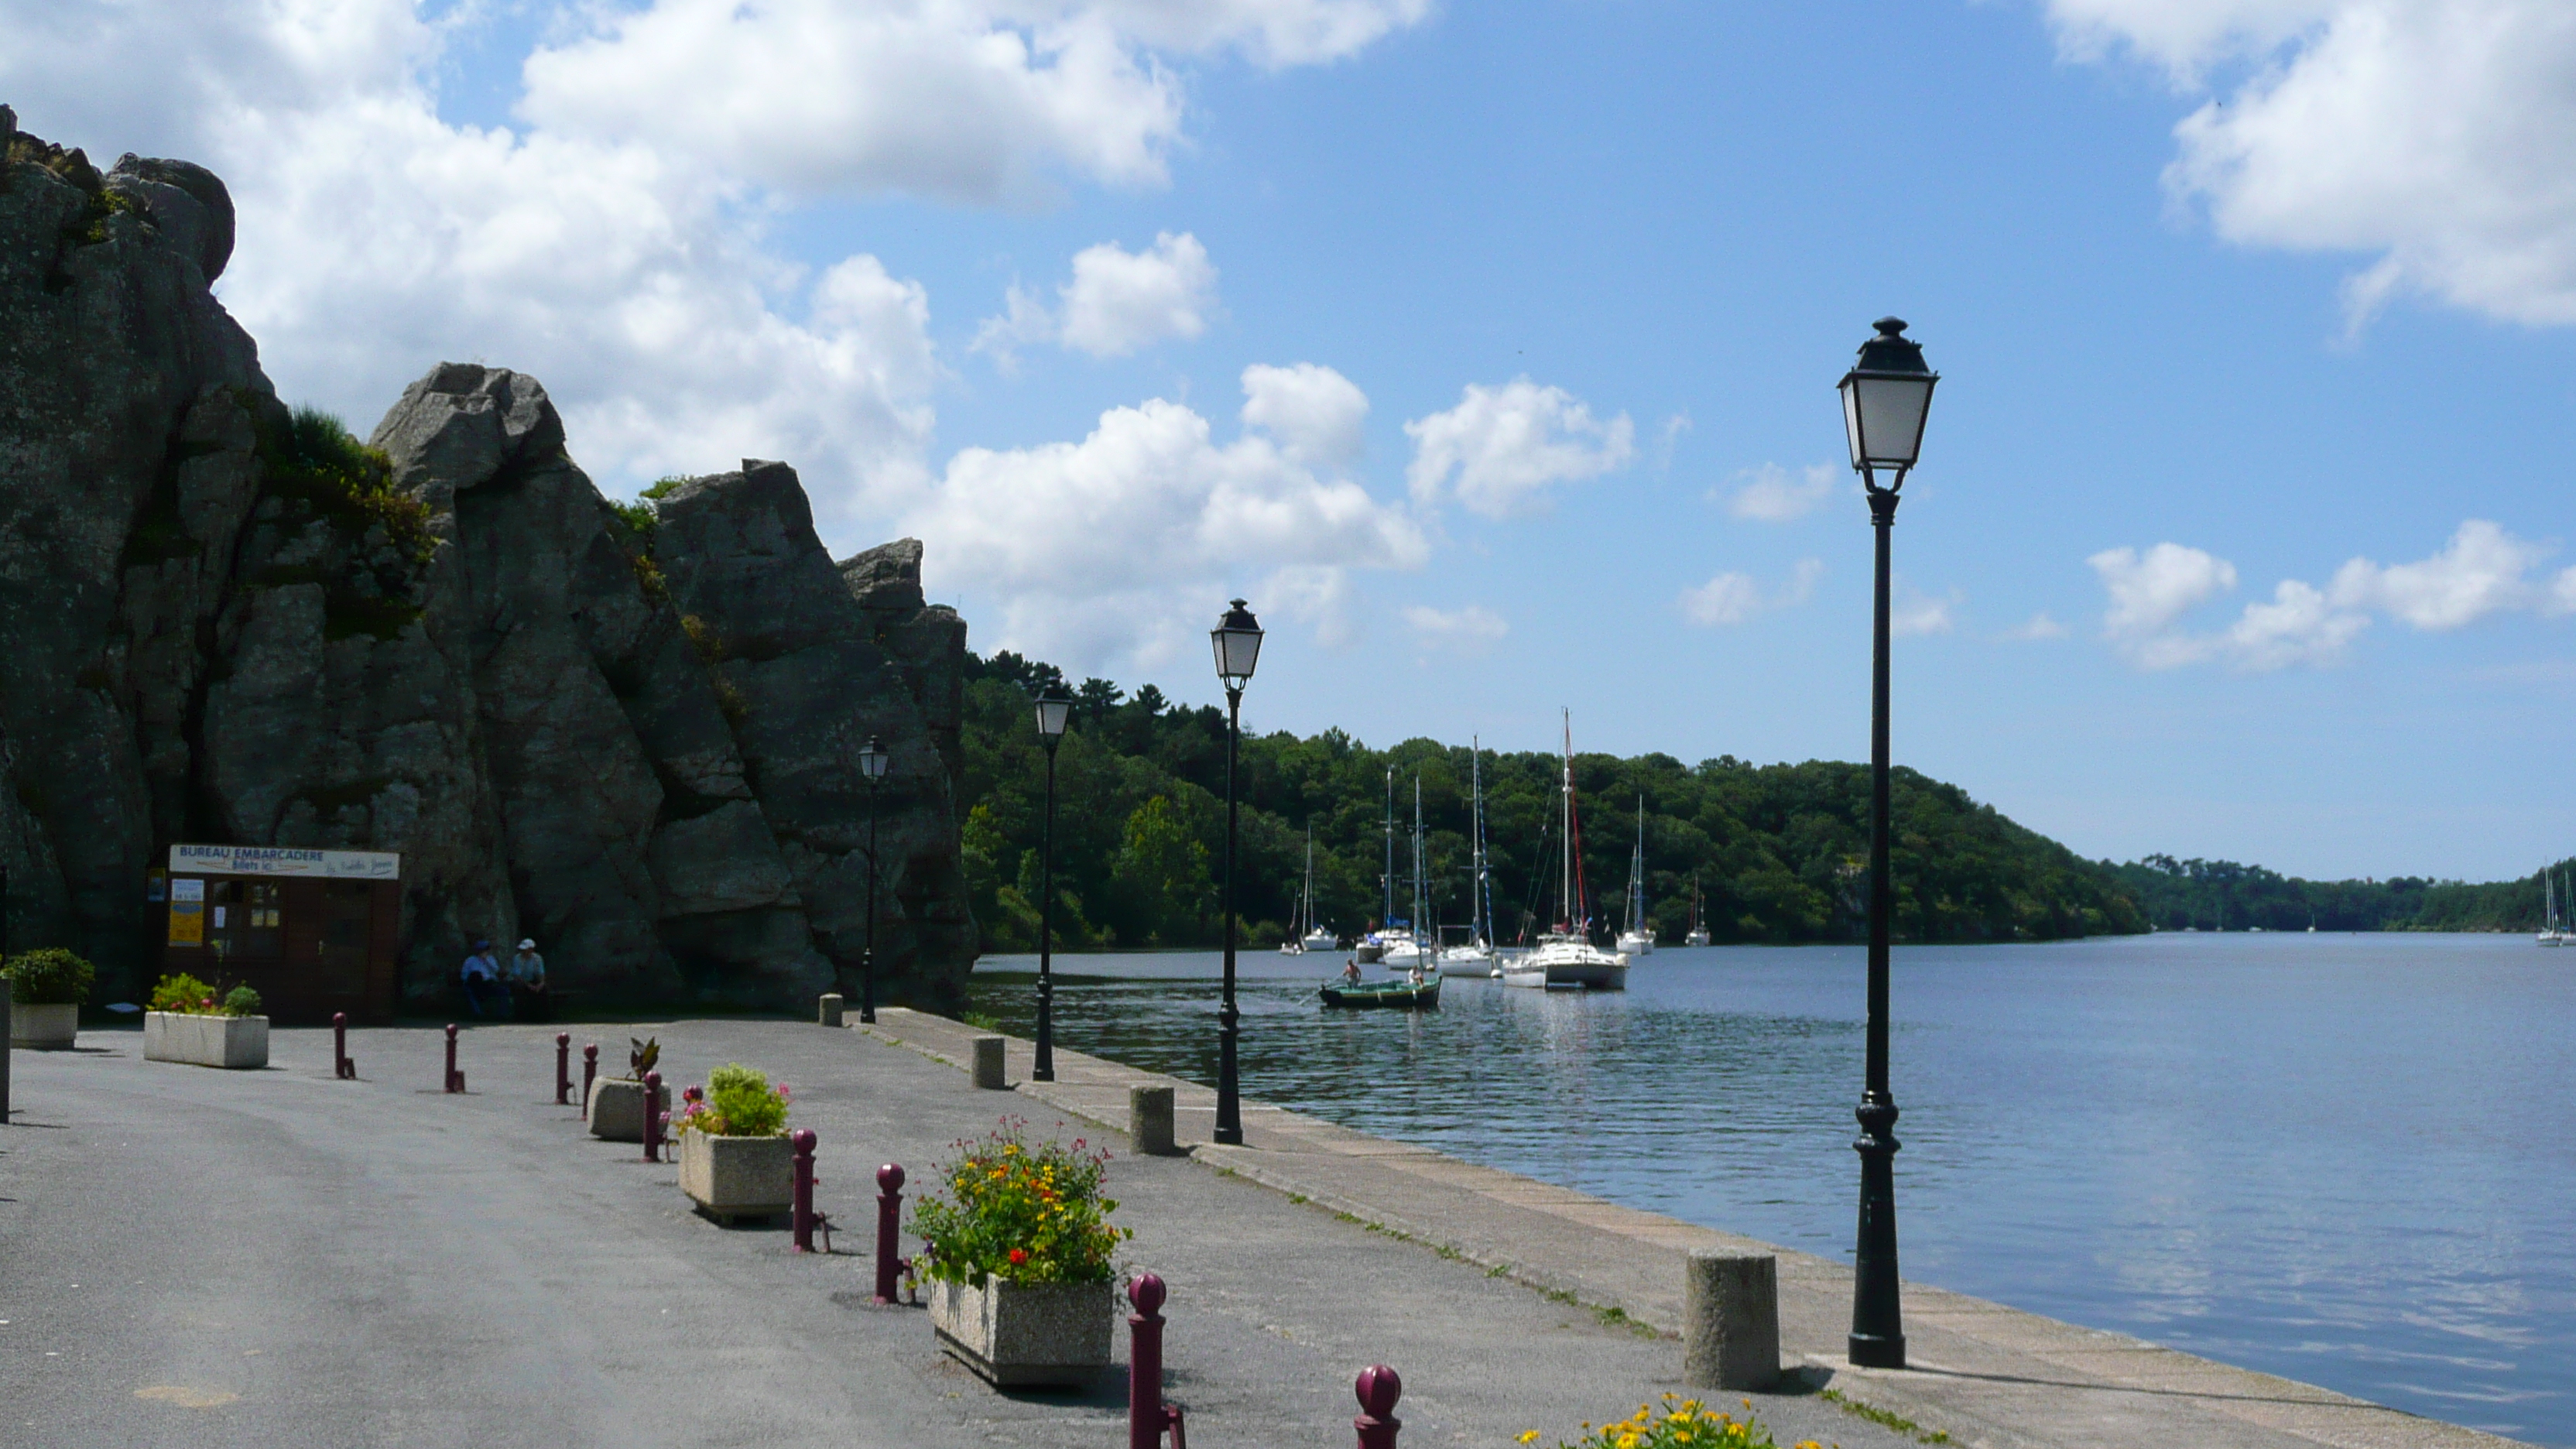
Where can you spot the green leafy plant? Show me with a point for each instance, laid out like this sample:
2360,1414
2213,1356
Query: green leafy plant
241,1001
189,996
1679,1422
49,976
1027,1212
315,458
641,1058
739,1102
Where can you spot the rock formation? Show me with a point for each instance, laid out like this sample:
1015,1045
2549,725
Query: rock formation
633,737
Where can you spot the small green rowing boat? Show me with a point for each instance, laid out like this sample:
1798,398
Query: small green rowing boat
1403,995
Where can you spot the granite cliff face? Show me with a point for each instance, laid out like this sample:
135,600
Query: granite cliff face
635,739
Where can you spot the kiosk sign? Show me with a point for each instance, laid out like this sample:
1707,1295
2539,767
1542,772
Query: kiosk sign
285,860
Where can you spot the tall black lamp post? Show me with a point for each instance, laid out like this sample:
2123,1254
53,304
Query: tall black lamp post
1055,711
873,763
1237,638
1886,396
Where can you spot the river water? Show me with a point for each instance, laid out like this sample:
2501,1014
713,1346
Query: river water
2340,1158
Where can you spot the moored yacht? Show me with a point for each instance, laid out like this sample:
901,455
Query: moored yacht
1637,936
1565,958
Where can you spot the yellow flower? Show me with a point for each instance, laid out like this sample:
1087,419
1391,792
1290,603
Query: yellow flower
1530,1438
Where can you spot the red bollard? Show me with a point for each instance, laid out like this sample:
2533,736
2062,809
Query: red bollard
589,1070
341,1067
653,1116
889,1217
563,1068
1147,1415
455,1078
1378,1388
801,1141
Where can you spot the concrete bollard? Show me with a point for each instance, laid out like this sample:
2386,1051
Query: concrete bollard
1731,1320
563,1069
801,1142
828,1012
1378,1389
1149,1121
341,1067
589,1074
1147,1415
889,1221
654,1116
988,1063
455,1078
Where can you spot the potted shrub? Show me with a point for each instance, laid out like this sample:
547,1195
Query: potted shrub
734,1158
46,989
1018,1255
615,1109
191,1022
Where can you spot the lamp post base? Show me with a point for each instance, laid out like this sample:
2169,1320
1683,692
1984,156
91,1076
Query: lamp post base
1870,1350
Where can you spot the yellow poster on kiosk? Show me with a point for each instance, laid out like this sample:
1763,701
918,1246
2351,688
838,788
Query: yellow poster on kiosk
187,912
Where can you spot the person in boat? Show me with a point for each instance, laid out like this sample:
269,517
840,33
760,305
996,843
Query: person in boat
1414,976
1351,972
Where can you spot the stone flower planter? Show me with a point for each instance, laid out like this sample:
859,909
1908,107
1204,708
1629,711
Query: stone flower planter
235,1042
47,1027
1026,1335
616,1108
737,1177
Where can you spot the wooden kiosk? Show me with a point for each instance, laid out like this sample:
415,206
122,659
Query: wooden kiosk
312,931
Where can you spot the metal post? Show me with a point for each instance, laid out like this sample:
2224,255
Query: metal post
889,1218
652,1116
1878,1325
868,952
1044,1071
5,1027
1378,1389
801,1141
1147,1415
341,1067
589,1073
455,1078
1229,1108
563,1068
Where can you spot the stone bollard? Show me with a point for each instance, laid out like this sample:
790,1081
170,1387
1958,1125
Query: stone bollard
341,1067
1378,1389
589,1074
889,1220
828,1013
455,1078
988,1063
1149,1121
801,1142
1731,1320
653,1116
1147,1415
563,1069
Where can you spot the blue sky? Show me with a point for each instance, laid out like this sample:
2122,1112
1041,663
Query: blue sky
1489,350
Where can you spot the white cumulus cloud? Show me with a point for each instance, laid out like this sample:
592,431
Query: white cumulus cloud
1110,549
1501,448
1913,613
1118,302
2484,569
1735,598
2037,627
1770,494
1471,631
2437,137
1314,412
2150,590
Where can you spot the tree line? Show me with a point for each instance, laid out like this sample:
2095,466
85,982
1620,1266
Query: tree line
2212,895
1773,853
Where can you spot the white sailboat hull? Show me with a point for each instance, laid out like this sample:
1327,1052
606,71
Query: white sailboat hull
1700,938
1321,940
1567,966
1633,944
1477,961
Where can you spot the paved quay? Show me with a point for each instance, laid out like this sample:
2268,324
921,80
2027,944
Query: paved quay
1980,1372
276,1258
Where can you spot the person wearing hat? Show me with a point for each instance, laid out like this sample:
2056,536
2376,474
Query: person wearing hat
482,976
526,973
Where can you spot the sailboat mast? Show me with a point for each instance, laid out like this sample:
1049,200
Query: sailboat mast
1386,916
1565,810
1418,917
1480,910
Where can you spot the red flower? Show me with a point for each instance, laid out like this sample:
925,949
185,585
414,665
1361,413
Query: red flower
1019,1256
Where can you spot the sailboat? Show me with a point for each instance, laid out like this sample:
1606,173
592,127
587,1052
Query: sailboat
1314,937
1566,957
1476,957
2551,933
1417,948
1371,947
1637,935
1699,933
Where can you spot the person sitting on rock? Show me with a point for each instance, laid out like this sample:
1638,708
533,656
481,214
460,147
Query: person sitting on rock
526,975
482,977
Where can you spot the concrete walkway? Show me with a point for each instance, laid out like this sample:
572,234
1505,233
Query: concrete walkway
1980,1372
276,1258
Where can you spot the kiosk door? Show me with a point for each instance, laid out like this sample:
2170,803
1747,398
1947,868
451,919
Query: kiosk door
346,913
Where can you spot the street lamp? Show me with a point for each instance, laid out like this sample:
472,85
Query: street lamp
873,763
1237,638
1055,711
1886,396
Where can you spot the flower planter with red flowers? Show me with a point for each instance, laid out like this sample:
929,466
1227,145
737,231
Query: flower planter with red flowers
1022,1283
